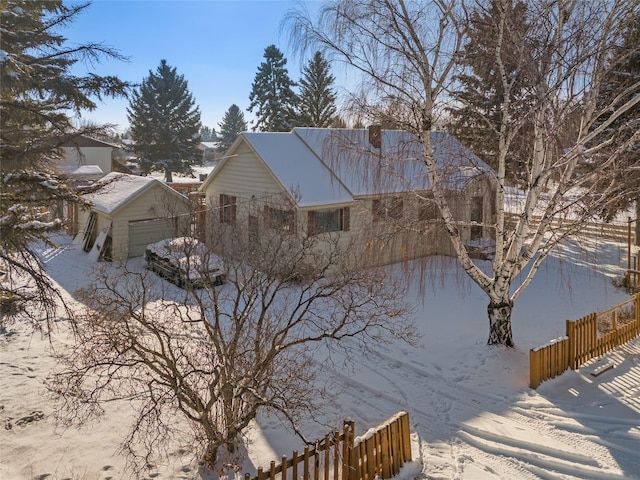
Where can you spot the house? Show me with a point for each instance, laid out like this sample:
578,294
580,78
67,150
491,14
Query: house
209,151
83,152
127,213
371,186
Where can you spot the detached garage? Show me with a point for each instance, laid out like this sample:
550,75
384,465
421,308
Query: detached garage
127,213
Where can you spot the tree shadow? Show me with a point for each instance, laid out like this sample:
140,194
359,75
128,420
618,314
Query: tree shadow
606,406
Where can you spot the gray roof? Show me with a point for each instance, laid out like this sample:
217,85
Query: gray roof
398,166
115,190
298,168
324,166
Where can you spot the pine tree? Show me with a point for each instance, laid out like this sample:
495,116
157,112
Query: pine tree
232,125
477,115
272,94
621,80
38,93
165,125
317,104
208,134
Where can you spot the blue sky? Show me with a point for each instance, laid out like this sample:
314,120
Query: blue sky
217,45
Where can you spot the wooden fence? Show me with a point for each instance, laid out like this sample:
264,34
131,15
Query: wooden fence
587,338
621,232
632,278
381,452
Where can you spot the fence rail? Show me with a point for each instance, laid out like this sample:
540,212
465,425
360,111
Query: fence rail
380,453
613,231
586,338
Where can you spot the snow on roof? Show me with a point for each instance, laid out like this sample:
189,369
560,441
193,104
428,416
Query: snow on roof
398,166
86,141
366,170
298,168
117,189
81,170
326,166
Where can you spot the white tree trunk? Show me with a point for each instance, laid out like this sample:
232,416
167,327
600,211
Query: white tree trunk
500,323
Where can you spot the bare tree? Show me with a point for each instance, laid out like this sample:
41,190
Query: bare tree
216,356
406,55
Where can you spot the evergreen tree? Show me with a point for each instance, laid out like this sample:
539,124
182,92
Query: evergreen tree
338,122
272,95
38,93
232,125
476,119
208,134
165,125
620,84
317,104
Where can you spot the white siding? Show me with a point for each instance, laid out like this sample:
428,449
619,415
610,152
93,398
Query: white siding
100,156
243,176
155,202
246,177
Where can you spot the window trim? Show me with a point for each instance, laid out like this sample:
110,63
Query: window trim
387,208
228,208
284,224
343,220
425,206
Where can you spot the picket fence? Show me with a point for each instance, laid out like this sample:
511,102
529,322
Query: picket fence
380,453
587,338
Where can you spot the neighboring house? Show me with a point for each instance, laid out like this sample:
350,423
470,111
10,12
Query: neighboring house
209,150
370,186
127,213
81,152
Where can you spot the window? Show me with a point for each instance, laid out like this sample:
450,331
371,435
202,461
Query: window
428,210
228,209
277,219
387,208
322,221
476,217
254,228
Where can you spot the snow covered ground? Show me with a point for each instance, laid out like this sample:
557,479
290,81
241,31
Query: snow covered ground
472,413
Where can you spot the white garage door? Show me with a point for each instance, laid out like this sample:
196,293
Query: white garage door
144,232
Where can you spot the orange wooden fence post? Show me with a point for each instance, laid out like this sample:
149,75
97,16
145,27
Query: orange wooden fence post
350,469
306,463
406,438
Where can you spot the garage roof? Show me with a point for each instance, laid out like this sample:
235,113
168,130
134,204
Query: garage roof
117,189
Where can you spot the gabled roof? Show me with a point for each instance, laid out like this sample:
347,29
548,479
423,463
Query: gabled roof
397,166
81,170
85,141
327,166
115,190
298,169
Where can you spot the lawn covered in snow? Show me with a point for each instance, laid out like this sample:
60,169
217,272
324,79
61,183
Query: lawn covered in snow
472,413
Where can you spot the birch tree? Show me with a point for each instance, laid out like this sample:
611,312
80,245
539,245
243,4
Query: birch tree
406,55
